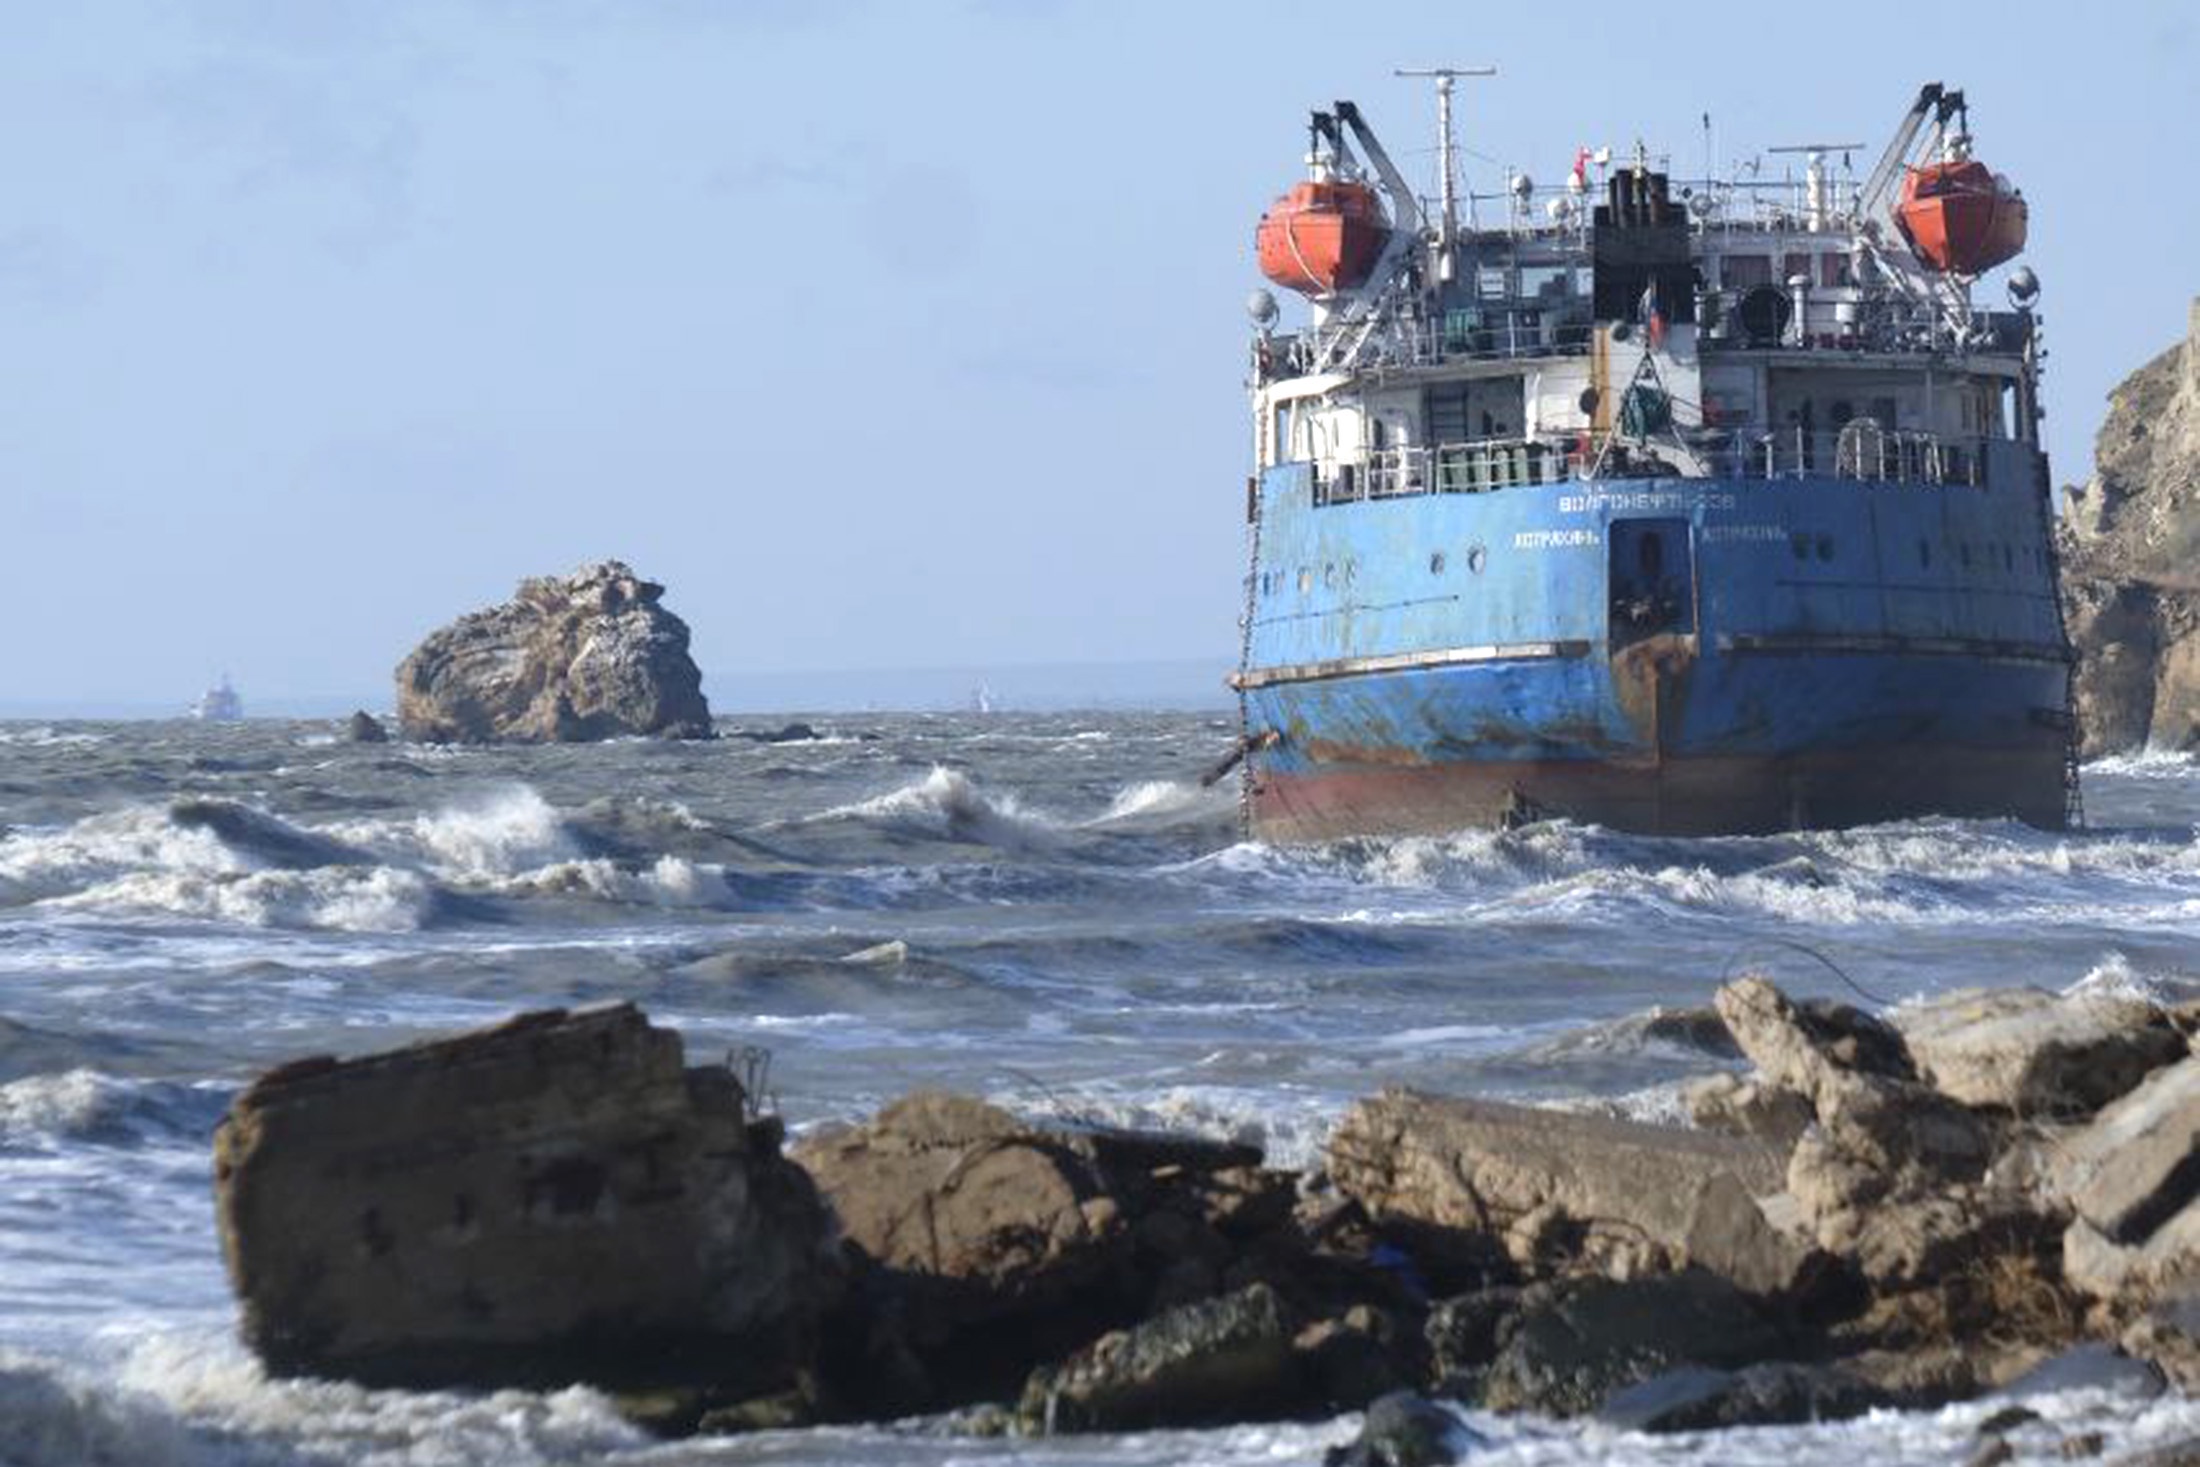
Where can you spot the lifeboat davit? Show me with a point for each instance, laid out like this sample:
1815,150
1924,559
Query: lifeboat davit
1323,236
1960,218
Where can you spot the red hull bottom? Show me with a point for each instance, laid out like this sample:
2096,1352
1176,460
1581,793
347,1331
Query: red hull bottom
1752,795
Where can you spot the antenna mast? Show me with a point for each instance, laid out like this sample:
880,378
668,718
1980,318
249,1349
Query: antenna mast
1446,147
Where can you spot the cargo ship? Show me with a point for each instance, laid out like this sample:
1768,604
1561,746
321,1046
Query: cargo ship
1677,505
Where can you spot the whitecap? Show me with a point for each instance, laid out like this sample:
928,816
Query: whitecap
45,736
2146,764
326,898
948,803
1162,801
51,1416
2114,977
668,882
85,1105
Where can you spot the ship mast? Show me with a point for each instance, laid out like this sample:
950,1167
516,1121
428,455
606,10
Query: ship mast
1446,149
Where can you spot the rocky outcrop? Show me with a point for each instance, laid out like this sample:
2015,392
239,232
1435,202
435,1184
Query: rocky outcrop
551,1200
1574,1343
1217,1361
1873,1175
984,1246
593,655
2131,542
1913,1212
1539,1182
364,728
2132,1179
2035,1053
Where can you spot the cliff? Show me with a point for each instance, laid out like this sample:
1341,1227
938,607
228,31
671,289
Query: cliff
2131,562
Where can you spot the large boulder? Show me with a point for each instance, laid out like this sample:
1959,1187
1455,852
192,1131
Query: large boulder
2133,1180
555,1199
1575,1343
2036,1053
364,728
1549,1187
1881,1135
986,1246
1405,1430
1218,1361
593,655
2132,535
2138,1165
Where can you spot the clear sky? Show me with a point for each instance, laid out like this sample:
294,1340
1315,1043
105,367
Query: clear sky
887,334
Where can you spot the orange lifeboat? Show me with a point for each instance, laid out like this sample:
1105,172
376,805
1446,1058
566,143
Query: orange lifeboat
1322,236
1961,219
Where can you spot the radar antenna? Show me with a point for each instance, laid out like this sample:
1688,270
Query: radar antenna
1446,146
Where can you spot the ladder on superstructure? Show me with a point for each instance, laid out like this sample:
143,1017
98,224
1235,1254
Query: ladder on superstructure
2073,790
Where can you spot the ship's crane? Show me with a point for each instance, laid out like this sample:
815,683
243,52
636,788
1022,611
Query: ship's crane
1876,200
1877,220
1352,327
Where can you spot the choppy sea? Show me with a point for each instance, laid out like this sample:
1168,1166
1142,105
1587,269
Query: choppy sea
1043,909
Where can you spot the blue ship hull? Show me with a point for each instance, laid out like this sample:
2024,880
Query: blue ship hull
1804,651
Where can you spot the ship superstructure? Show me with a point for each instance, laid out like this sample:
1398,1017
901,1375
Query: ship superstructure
1676,505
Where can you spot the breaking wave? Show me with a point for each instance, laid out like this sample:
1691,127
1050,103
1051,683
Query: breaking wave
1924,872
94,1107
341,899
224,861
2146,764
178,1400
671,881
501,835
1162,803
948,805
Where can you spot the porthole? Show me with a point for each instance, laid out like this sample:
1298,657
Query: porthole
1477,558
2008,559
1306,580
1800,544
1963,553
1436,563
1924,553
1825,547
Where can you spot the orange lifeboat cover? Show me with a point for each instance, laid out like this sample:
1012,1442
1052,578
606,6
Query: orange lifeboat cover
1959,218
1322,236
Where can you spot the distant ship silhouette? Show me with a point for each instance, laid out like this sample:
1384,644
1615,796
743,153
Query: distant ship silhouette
219,704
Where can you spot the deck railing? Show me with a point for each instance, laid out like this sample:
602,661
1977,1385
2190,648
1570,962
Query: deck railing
1562,327
1861,452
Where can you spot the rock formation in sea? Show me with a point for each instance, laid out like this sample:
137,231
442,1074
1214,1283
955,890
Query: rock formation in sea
1990,1192
2131,562
364,728
569,659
